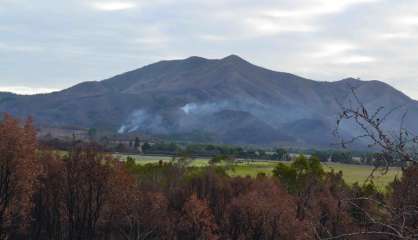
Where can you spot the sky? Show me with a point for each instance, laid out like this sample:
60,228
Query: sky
48,45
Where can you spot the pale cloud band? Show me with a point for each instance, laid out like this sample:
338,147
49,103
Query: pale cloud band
113,6
22,90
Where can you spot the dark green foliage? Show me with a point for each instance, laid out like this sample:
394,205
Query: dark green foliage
361,195
92,132
218,159
161,148
295,175
335,156
182,159
281,155
137,143
130,162
146,147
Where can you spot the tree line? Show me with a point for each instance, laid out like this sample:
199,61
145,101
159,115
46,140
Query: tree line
135,146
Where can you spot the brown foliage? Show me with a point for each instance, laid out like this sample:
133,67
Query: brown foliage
215,187
79,195
197,221
322,204
404,202
18,174
143,216
48,201
266,211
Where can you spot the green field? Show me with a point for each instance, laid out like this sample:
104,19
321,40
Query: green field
351,173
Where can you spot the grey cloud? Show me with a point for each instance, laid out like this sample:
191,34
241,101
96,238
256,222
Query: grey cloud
61,43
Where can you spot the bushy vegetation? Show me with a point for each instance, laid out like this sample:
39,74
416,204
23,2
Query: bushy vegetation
86,194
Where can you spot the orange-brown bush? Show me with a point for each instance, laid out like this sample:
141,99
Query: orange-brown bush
19,170
266,211
79,195
197,220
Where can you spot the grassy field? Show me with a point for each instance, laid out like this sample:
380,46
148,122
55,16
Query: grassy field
351,173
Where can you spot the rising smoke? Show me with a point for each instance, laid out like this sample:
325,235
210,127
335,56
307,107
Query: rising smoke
208,108
142,120
194,113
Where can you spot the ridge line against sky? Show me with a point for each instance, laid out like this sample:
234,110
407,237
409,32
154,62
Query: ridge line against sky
51,45
24,90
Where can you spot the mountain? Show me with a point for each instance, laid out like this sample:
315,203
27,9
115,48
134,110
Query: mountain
225,100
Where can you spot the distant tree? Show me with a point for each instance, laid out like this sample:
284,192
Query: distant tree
165,148
323,156
251,154
228,160
342,157
137,143
282,154
121,148
146,147
183,159
210,147
92,132
262,154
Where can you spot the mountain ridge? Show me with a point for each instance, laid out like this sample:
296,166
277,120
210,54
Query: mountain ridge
153,99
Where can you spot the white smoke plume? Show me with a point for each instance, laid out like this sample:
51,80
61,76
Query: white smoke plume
144,121
190,107
208,108
271,114
136,120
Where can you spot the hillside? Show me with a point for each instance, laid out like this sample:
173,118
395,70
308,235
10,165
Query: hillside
225,100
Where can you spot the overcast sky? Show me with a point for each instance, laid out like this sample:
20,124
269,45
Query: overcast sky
49,45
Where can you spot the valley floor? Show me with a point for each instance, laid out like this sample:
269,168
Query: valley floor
351,173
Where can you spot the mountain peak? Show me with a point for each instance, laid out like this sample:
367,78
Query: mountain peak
196,59
351,79
233,58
